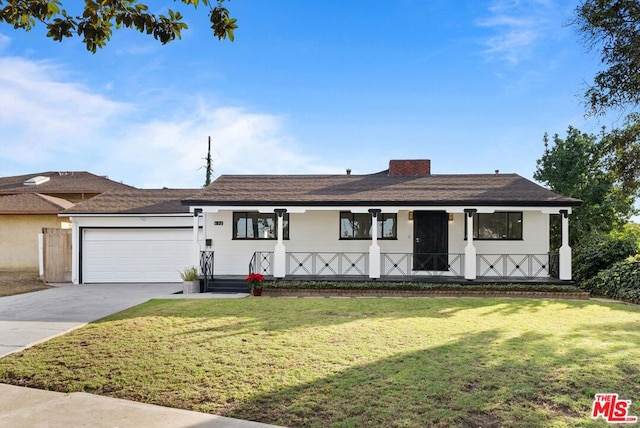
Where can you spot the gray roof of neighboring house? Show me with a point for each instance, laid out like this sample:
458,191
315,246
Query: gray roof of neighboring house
380,189
32,203
135,201
60,183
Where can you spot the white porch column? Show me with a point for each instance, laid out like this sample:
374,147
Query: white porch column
374,249
280,253
565,249
470,249
196,244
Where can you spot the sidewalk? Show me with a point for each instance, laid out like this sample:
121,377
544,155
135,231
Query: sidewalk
34,408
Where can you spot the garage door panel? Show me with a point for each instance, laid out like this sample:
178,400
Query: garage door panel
135,255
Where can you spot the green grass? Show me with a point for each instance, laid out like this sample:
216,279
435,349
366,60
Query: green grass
409,362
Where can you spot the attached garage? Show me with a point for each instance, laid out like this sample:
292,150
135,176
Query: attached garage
133,236
135,255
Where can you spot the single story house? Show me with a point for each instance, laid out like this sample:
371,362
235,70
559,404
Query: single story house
133,235
403,222
31,202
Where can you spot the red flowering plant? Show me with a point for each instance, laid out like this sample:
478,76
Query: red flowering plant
255,280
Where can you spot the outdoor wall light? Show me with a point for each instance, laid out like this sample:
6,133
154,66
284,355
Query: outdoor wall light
410,215
450,216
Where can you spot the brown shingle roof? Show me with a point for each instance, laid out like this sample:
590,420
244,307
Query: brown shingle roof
381,189
135,201
60,183
32,203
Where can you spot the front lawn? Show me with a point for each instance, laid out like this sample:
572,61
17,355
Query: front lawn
410,362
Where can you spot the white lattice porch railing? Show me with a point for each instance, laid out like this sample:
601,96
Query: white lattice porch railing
427,264
344,264
327,264
261,262
516,265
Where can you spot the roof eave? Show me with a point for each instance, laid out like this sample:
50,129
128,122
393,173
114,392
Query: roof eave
25,212
111,213
481,203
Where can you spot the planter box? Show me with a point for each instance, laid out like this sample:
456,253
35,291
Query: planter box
190,287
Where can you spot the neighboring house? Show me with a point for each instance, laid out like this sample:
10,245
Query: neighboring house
31,202
22,218
134,235
400,223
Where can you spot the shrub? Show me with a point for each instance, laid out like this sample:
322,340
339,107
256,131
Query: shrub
621,281
601,252
382,285
190,274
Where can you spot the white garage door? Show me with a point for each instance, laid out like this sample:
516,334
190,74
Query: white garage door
135,255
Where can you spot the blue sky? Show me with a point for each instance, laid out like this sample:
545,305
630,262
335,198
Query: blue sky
307,87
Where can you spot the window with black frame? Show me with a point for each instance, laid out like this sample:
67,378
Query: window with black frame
358,225
500,225
253,225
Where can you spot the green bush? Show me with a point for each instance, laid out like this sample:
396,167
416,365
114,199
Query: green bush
382,285
601,252
190,274
621,281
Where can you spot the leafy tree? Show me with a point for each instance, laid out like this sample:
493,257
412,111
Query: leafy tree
623,148
578,166
95,22
612,26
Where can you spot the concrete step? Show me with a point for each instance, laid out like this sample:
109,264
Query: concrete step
228,286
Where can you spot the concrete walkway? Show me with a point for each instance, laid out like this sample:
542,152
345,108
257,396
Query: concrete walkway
31,318
34,408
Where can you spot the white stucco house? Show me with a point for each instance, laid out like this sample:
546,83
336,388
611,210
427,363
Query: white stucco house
399,223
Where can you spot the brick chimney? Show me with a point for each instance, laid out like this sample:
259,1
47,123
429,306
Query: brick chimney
410,167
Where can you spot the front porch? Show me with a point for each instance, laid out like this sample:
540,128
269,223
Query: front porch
408,266
435,268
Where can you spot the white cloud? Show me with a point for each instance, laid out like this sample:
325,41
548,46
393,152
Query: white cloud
242,143
518,26
44,116
50,123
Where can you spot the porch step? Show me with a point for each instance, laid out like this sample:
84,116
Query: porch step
226,286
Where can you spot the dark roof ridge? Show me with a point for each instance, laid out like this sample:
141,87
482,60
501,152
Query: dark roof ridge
381,173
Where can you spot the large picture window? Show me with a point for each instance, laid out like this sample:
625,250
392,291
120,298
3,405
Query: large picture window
358,225
252,225
499,225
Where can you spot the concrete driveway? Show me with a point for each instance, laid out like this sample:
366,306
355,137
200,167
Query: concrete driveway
27,319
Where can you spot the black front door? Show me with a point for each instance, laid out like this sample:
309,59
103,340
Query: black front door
430,240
